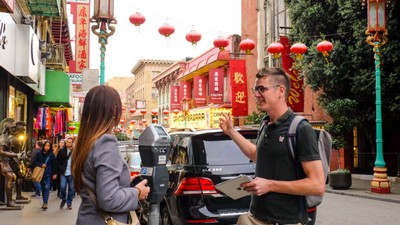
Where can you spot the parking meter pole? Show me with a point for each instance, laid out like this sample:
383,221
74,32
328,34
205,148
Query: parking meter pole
154,145
154,214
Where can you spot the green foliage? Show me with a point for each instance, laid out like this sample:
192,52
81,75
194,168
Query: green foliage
347,82
254,118
121,136
340,170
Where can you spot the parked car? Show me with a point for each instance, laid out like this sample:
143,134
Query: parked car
198,161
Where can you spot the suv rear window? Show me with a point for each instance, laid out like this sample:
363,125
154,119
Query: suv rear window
219,149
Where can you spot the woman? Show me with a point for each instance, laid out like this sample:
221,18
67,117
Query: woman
46,159
98,165
56,182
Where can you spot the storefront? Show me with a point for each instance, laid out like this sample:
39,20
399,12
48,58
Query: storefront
212,84
21,72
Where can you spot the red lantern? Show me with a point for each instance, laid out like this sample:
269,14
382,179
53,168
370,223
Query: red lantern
154,112
166,30
155,120
133,121
71,128
325,47
247,45
193,37
122,121
298,49
176,111
143,111
166,118
144,120
275,49
132,110
137,19
165,112
221,43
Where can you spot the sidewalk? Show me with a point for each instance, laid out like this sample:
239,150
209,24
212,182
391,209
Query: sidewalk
361,187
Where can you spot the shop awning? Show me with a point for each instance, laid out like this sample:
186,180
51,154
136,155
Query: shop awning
45,7
60,33
58,90
213,58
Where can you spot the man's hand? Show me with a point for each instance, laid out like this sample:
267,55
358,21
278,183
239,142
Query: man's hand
225,123
258,186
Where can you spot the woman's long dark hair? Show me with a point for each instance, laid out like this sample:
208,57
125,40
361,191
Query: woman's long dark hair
101,112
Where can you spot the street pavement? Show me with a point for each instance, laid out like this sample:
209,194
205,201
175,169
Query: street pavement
32,214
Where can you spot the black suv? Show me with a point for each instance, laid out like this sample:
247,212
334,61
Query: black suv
199,160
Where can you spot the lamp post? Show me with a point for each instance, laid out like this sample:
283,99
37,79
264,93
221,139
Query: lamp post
103,16
377,33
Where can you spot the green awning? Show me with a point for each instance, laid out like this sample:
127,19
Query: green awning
58,90
45,7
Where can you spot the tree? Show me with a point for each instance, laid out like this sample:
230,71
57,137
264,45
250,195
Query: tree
347,82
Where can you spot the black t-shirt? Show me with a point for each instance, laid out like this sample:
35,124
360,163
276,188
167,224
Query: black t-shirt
274,162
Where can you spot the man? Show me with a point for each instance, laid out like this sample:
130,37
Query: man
276,190
34,153
64,169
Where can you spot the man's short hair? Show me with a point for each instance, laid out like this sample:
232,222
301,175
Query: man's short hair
276,76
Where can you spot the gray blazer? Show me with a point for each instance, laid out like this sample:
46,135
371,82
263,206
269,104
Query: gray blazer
107,174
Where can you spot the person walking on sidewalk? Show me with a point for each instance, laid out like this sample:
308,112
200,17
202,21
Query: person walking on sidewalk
34,154
65,172
276,190
46,159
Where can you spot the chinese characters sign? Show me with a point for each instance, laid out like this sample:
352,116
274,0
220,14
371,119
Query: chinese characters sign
296,95
216,84
175,100
185,90
199,83
82,37
239,87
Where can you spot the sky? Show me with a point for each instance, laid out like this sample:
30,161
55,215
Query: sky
129,44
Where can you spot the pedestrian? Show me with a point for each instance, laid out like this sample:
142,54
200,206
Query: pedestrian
56,182
65,173
98,166
34,153
276,190
46,159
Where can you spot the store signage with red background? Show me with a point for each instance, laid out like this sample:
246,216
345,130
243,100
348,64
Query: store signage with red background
239,87
296,95
175,100
199,85
9,6
216,85
185,91
81,20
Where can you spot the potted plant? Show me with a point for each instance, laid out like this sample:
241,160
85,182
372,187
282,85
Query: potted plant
340,179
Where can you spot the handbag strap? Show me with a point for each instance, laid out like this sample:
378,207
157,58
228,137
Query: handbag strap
105,215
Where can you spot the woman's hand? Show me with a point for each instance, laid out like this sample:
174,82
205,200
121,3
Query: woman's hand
143,190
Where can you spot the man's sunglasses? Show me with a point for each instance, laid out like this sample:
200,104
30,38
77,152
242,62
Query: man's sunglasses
261,89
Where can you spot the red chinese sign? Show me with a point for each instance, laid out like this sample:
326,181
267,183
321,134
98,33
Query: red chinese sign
82,37
175,100
185,91
216,85
199,85
239,87
296,95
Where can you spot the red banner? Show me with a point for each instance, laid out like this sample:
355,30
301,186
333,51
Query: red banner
199,90
82,37
296,95
216,85
185,91
175,100
239,87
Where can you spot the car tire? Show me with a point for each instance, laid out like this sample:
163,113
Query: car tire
165,220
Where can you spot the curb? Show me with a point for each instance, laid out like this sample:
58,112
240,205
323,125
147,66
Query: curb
368,195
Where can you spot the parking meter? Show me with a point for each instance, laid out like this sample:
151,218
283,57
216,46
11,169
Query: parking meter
154,146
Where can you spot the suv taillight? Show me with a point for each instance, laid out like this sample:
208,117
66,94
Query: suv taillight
195,185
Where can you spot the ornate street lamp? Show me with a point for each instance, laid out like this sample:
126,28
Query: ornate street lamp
377,33
185,109
103,16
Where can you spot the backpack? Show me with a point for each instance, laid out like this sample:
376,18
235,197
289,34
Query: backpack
324,147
